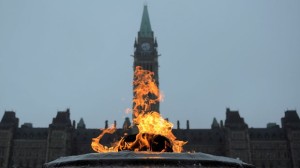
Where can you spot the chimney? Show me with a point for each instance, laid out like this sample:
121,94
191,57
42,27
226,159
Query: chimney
187,124
115,124
106,124
178,124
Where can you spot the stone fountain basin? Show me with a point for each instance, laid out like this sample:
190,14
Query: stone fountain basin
145,159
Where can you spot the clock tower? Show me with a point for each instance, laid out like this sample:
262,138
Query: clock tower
145,51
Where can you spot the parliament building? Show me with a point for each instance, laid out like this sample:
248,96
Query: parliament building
28,147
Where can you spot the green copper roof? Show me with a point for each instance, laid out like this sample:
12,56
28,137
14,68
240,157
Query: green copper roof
145,29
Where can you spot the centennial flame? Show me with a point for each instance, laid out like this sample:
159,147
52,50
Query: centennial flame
154,132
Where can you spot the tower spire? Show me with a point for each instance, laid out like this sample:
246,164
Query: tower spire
145,29
146,56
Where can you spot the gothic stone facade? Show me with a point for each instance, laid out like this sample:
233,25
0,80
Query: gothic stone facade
274,146
28,147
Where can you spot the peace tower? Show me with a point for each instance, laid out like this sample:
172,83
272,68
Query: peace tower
145,52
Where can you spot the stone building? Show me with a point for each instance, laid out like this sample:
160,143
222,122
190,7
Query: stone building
270,147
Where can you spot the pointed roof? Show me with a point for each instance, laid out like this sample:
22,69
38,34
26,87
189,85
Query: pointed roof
81,124
215,123
145,29
61,120
126,123
290,119
9,120
234,120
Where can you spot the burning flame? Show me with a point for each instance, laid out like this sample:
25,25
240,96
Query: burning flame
154,132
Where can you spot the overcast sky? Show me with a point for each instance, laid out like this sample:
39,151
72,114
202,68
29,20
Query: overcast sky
74,54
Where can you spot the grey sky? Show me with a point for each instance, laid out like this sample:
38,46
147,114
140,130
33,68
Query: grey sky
215,54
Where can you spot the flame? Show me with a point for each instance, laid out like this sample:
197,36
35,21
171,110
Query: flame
99,147
154,132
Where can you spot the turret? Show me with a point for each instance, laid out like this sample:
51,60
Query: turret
8,126
234,120
59,136
81,124
126,124
290,120
215,124
9,120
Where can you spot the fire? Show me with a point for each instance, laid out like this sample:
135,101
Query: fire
154,132
95,141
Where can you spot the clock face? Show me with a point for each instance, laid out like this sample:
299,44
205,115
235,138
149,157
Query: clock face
145,46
